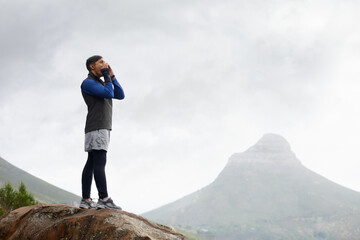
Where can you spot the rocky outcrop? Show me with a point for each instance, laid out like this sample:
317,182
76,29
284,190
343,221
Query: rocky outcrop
46,221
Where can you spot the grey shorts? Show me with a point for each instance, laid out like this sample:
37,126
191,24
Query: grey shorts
97,140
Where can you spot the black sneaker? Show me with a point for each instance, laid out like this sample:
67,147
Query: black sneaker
87,204
108,203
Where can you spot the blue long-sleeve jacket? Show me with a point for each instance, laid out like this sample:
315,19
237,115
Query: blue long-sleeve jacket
110,90
98,98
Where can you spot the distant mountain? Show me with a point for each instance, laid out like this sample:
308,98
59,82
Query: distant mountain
266,193
43,191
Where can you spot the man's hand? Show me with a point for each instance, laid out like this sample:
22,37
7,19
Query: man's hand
111,71
105,72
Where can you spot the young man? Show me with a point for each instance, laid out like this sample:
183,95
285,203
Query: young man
98,95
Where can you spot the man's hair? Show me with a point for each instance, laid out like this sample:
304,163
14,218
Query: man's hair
92,60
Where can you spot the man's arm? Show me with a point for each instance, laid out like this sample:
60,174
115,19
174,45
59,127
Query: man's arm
118,90
91,87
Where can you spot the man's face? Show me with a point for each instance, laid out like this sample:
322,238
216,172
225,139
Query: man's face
97,66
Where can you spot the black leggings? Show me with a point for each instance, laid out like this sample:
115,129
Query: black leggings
95,165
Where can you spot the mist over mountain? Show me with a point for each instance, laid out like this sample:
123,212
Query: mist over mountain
266,193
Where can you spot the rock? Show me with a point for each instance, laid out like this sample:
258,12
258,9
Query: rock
45,221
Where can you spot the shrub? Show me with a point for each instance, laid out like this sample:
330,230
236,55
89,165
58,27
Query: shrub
11,199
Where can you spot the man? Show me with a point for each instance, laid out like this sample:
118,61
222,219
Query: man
98,95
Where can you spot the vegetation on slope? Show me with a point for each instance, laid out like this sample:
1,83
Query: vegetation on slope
11,199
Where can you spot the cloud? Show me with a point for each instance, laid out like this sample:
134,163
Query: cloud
202,80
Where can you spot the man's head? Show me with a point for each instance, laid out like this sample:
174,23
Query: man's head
95,63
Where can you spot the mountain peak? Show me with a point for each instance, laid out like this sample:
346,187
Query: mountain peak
272,142
271,148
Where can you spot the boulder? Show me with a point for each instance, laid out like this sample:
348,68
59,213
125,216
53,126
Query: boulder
47,221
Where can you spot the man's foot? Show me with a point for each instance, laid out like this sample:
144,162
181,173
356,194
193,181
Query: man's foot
108,203
87,204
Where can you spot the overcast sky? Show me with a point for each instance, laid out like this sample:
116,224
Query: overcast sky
202,79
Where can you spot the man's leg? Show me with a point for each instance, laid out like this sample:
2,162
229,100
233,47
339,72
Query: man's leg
99,172
100,180
87,176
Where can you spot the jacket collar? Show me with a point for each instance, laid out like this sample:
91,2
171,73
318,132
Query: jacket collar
94,77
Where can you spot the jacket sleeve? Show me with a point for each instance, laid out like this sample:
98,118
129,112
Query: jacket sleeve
94,88
118,90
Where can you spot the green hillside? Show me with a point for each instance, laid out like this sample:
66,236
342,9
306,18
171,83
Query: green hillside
266,193
43,191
